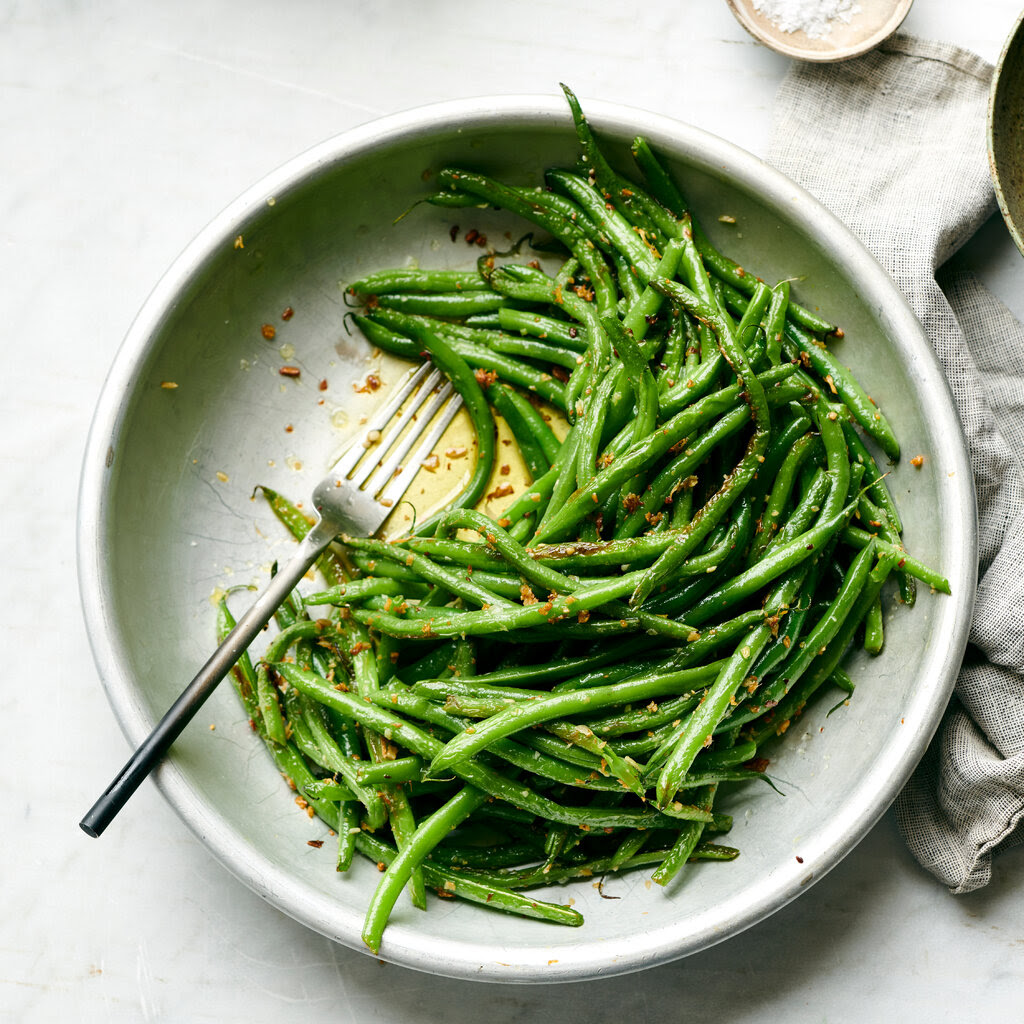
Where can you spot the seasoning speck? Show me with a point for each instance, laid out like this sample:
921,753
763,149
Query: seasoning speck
168,385
269,331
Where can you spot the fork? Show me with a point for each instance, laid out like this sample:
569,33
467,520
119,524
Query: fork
356,497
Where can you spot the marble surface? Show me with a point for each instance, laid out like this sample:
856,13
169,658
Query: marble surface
125,128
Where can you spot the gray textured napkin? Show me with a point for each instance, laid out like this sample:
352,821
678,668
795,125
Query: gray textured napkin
894,144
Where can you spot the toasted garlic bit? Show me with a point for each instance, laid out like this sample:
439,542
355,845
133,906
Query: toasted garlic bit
222,477
168,385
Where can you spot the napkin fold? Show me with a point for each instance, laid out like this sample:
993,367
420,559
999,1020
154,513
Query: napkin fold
894,144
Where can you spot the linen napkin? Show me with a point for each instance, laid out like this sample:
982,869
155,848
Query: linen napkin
894,144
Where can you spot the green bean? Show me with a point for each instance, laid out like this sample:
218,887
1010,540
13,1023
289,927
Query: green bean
859,538
874,637
414,280
401,769
565,333
427,835
775,322
873,477
534,424
450,304
701,724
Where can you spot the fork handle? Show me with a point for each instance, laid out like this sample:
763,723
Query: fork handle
192,698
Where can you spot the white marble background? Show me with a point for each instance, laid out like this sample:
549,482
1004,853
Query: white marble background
124,127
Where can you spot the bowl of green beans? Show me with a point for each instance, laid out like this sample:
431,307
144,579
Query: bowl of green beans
663,624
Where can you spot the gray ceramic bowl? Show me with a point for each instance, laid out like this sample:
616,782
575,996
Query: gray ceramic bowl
167,520
1006,132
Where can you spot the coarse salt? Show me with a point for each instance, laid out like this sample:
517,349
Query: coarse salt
815,18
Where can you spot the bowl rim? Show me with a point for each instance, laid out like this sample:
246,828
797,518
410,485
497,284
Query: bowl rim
879,786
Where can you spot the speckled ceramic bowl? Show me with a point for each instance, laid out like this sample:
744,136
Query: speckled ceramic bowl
1006,132
167,520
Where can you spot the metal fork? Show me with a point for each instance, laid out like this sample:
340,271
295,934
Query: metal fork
356,497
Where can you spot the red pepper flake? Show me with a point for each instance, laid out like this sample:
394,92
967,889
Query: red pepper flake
472,235
322,385
372,384
505,470
269,331
917,461
288,429
799,860
288,313
290,371
315,843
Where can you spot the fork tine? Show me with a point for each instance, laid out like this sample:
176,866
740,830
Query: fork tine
379,419
360,473
386,467
399,482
